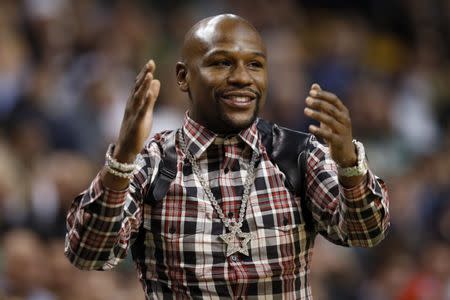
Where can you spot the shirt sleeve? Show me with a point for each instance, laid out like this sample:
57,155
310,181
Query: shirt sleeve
358,216
103,223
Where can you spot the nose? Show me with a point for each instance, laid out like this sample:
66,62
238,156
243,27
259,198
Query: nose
240,76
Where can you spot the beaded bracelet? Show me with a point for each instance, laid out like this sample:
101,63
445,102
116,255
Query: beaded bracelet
114,164
127,175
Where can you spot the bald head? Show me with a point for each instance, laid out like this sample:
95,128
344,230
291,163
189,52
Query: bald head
214,30
223,70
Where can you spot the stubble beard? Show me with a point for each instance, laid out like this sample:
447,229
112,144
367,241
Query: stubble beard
231,126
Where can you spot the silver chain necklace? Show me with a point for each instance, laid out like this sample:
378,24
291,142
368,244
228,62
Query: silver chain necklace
235,233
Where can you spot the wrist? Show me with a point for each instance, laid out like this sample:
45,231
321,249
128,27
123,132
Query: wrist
118,168
351,161
122,155
359,166
352,181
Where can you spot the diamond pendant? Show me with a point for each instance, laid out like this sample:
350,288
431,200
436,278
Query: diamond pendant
236,236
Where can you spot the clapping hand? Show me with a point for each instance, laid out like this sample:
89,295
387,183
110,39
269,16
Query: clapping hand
138,116
335,124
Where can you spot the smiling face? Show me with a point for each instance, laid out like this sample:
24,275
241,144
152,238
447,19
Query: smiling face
224,72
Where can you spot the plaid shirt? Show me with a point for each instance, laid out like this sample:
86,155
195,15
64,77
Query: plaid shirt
176,243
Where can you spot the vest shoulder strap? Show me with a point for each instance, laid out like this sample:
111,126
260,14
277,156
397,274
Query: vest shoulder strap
167,170
287,148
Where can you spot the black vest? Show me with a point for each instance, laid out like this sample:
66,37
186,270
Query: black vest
287,148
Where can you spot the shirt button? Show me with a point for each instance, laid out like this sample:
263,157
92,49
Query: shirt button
230,214
234,258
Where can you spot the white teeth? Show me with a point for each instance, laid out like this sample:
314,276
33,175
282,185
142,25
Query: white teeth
239,99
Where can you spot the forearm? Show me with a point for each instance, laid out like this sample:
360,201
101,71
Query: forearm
114,182
102,220
99,223
356,216
351,211
95,226
365,212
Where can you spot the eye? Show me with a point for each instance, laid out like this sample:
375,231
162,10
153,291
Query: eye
255,64
223,63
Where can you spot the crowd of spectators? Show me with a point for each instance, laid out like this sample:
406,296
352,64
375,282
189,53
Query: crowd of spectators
66,69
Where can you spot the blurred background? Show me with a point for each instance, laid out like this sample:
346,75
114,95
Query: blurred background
66,69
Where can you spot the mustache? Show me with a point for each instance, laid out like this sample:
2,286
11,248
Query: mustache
239,90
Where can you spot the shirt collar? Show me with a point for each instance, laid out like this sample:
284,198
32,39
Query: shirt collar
198,138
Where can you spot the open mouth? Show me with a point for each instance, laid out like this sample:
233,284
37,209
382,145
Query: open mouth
239,99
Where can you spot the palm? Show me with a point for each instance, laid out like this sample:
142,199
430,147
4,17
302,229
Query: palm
138,117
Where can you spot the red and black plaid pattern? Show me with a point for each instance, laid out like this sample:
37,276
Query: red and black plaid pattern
175,242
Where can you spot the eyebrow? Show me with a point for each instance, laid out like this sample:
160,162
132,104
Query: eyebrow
226,52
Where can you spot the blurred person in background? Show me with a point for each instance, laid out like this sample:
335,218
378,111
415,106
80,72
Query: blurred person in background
228,225
26,275
56,54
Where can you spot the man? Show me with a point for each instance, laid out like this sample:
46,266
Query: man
228,226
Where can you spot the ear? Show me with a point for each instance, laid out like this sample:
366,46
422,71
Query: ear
182,76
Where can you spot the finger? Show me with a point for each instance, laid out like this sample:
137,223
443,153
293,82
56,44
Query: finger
329,97
324,118
326,135
323,133
149,67
328,108
140,93
152,93
316,86
151,96
142,73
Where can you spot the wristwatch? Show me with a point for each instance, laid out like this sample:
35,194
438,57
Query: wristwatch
361,165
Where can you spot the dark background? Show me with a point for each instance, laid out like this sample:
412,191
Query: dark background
66,69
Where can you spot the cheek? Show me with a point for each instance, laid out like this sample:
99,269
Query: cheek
262,83
261,80
211,77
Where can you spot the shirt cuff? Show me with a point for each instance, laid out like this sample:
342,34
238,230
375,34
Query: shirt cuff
363,193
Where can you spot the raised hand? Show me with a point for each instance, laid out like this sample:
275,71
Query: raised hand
136,124
335,124
137,120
